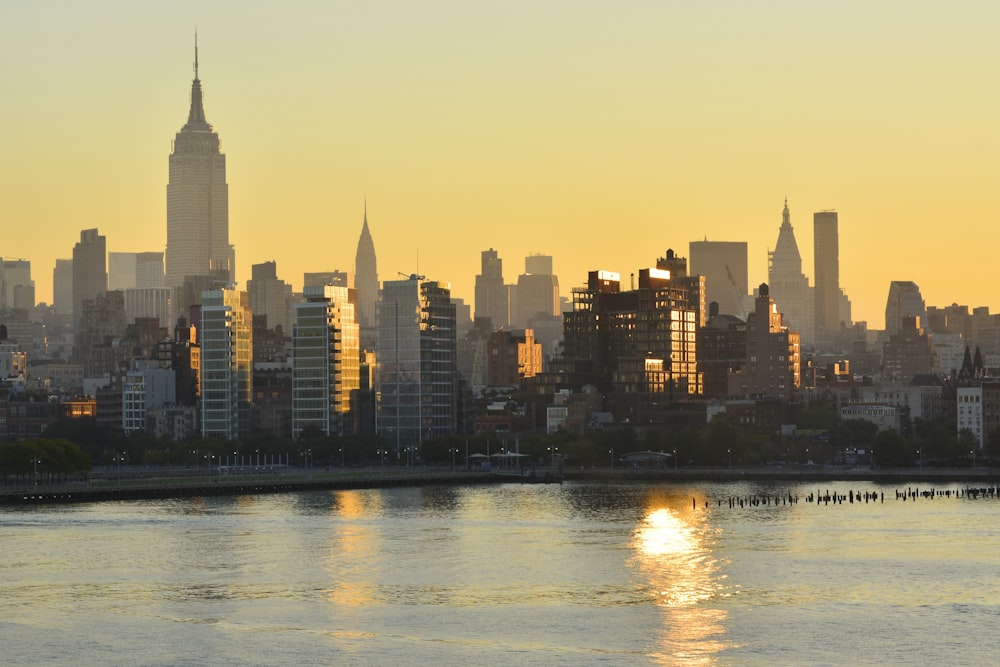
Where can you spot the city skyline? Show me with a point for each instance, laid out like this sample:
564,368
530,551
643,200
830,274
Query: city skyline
522,128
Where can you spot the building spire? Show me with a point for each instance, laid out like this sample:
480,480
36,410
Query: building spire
196,116
366,209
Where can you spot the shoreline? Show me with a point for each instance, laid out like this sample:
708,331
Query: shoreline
164,487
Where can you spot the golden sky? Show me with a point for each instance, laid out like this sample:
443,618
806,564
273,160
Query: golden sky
601,133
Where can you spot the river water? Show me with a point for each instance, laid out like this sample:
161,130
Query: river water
572,574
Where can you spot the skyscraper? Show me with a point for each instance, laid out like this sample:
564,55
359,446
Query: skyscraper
537,292
491,293
789,286
62,286
366,282
197,199
90,274
826,254
270,297
904,302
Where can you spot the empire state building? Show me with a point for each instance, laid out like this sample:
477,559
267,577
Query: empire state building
198,200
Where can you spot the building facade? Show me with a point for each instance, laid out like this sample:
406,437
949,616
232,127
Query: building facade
416,382
325,360
826,255
789,286
226,337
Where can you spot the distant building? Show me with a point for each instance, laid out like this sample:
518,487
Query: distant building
271,296
908,352
789,286
773,356
537,292
197,200
366,282
90,275
904,301
492,299
724,265
62,286
826,255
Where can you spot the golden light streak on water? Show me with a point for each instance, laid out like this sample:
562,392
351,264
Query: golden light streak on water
672,557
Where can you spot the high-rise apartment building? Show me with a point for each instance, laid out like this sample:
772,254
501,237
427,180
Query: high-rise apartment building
366,282
326,360
724,265
491,294
90,274
197,199
789,286
826,255
415,348
121,270
226,337
640,341
62,286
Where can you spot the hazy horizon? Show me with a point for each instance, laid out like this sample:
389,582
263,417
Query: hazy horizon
600,134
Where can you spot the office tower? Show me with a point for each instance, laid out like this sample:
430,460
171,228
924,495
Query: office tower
226,337
271,297
17,289
904,301
121,270
90,275
773,359
724,265
366,282
149,270
197,199
416,353
826,254
326,360
789,286
537,292
491,294
62,286
640,341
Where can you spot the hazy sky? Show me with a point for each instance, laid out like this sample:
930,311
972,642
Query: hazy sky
601,133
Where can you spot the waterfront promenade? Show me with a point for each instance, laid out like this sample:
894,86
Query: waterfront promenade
154,483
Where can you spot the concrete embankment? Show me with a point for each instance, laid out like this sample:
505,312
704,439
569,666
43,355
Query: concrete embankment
158,488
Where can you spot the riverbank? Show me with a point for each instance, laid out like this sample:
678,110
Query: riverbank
154,484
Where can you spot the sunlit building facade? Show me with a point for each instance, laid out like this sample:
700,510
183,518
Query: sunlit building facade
636,341
325,360
226,337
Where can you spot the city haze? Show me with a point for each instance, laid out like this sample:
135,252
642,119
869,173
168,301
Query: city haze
598,134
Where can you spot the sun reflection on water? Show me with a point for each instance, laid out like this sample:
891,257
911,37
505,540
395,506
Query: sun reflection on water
673,557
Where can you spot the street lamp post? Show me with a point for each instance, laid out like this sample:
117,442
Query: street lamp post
729,453
675,459
341,457
612,452
920,458
34,477
973,452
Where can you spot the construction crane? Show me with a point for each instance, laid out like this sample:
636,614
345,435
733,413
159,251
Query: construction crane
412,276
736,293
